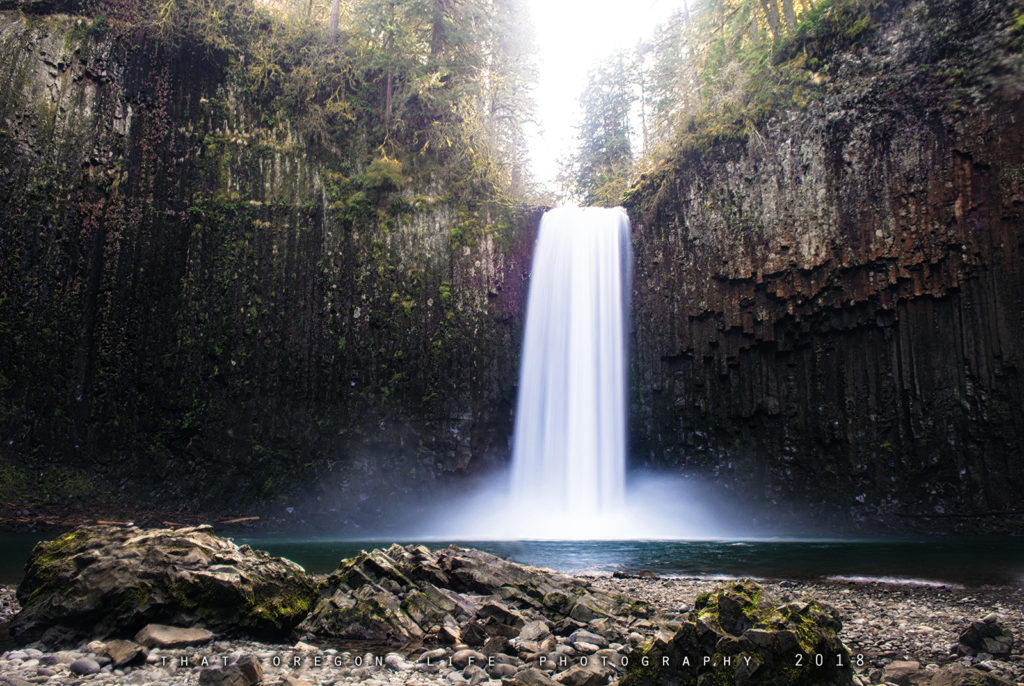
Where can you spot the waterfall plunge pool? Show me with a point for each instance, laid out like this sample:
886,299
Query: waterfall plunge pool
967,562
953,561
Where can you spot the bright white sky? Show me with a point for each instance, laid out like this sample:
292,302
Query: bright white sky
572,36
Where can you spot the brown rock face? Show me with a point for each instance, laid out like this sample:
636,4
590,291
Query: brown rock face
827,316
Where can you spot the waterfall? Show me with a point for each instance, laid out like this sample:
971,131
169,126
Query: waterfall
568,469
569,447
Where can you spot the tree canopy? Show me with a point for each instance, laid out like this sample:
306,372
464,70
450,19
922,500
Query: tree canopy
442,86
718,70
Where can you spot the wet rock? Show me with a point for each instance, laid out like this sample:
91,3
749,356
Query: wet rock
530,676
496,644
500,670
475,675
224,676
500,613
611,658
474,634
737,296
123,652
463,658
550,662
84,666
503,659
449,633
987,636
534,631
584,636
435,655
957,674
250,666
591,674
396,662
545,645
163,636
905,673
105,580
720,628
567,625
584,648
452,596
588,608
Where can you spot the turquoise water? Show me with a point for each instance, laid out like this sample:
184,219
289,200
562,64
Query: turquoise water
968,562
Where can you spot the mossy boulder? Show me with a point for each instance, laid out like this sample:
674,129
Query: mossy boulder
986,636
102,581
737,635
411,593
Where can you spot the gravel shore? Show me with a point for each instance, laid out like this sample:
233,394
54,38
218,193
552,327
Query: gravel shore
884,622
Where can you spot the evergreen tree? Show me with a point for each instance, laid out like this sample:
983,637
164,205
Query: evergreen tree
601,168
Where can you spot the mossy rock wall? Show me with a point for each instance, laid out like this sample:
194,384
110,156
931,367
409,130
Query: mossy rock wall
194,295
827,305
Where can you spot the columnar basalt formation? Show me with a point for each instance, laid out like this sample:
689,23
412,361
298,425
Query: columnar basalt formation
194,292
828,313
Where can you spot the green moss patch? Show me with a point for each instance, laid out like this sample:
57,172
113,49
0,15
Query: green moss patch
737,635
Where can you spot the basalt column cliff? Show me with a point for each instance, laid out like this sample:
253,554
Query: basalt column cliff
828,307
218,287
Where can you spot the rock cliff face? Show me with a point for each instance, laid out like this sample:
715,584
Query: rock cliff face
197,299
195,296
829,314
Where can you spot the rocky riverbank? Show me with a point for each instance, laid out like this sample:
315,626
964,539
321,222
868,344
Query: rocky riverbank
408,615
889,624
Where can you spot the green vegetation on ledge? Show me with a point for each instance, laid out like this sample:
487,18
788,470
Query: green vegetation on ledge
236,256
704,80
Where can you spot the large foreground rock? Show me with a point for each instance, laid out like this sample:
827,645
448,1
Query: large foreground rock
736,635
986,636
455,595
99,581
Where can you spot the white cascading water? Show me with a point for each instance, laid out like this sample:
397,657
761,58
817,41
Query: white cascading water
569,448
568,471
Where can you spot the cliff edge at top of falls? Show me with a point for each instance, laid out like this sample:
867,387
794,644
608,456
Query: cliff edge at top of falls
827,303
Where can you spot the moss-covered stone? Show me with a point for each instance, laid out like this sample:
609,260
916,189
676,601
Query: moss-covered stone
409,593
100,581
736,635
